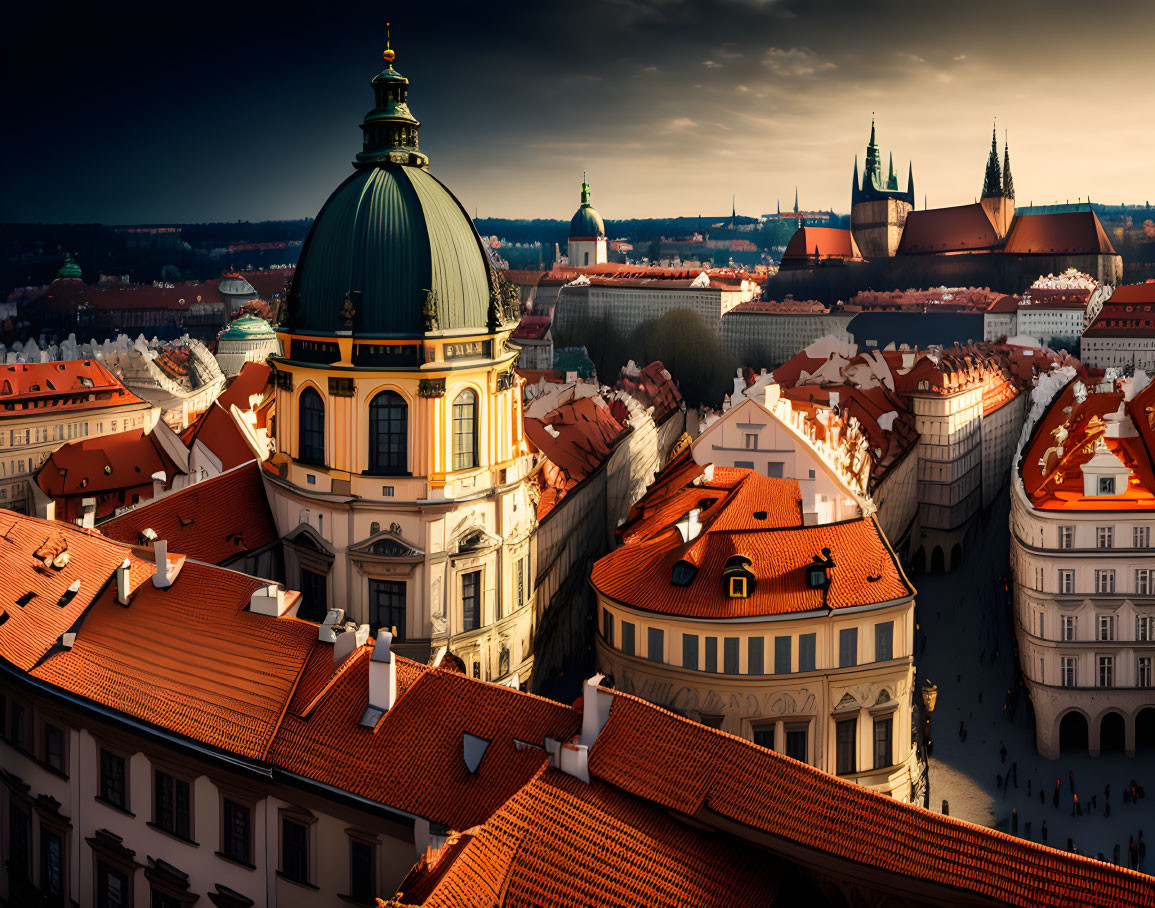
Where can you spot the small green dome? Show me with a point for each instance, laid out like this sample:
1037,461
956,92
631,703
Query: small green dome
248,327
392,253
586,222
69,269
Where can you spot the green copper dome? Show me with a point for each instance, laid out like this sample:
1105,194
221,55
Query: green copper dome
392,253
248,327
586,222
69,269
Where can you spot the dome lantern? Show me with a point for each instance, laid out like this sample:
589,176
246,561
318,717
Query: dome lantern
586,222
390,129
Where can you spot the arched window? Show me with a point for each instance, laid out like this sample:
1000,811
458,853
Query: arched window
465,430
388,433
311,433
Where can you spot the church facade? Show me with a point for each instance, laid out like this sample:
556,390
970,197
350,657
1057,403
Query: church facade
398,483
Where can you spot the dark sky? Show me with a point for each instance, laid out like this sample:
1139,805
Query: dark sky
134,112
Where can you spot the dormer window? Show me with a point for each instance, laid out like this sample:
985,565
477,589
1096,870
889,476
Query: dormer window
1106,485
737,578
683,573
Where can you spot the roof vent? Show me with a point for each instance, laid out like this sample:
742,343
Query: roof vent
164,575
760,515
348,642
147,536
690,525
268,600
122,582
473,748
69,594
383,673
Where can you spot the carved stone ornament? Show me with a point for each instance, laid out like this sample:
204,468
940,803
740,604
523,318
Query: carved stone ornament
429,310
348,312
431,387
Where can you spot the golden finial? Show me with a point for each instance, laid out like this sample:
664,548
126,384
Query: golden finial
388,52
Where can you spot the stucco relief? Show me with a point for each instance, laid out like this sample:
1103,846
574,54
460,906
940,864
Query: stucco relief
437,608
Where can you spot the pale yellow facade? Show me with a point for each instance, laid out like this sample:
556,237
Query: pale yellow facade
459,540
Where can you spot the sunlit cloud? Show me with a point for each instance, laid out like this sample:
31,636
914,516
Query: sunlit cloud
795,62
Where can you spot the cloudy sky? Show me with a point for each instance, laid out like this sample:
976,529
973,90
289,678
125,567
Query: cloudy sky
151,112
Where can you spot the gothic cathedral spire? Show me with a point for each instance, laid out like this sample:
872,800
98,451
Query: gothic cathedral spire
993,180
1008,183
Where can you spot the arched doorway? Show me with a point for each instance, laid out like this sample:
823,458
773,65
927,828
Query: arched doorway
1073,732
956,557
1112,733
1145,729
937,561
918,562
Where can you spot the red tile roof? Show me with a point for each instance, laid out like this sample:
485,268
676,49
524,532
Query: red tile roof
104,464
1004,305
639,572
252,380
268,282
532,327
780,307
61,386
218,431
769,799
216,520
190,659
31,629
1068,232
1130,312
653,386
562,841
827,242
962,228
413,759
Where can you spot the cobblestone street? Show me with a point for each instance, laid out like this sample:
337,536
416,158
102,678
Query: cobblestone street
966,648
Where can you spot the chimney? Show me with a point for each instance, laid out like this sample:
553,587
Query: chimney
834,398
596,705
773,393
383,674
122,578
158,481
329,628
161,579
708,473
268,600
691,526
347,642
87,513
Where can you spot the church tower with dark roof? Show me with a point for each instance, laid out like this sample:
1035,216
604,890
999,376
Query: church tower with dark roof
998,199
878,209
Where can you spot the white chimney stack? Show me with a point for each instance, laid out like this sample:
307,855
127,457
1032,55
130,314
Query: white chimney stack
268,600
691,526
383,673
158,481
773,393
347,642
708,473
87,513
161,579
122,586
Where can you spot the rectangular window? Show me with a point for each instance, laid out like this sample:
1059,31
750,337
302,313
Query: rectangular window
1066,537
781,655
628,638
730,655
1106,627
1143,582
1143,672
744,464
54,747
764,734
755,661
387,607
847,647
362,871
235,835
796,741
1106,671
807,647
1104,535
883,731
1069,666
1066,581
294,850
1069,625
751,441
1141,537
607,626
712,654
111,887
1105,581
19,841
112,779
51,865
521,581
846,741
171,805
471,600
884,641
690,651
774,469
1144,628
19,727
655,644
1106,485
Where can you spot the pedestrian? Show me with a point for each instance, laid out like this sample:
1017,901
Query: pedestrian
1132,854
1044,832
1002,752
1014,821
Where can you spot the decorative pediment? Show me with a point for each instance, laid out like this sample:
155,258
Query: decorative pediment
307,538
475,539
387,544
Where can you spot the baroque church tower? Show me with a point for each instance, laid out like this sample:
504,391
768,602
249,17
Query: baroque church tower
398,484
878,209
998,199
